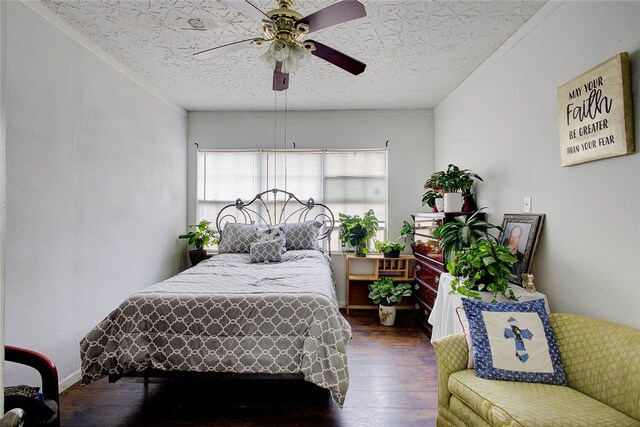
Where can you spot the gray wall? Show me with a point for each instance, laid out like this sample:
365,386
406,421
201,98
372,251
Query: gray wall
502,123
410,135
96,189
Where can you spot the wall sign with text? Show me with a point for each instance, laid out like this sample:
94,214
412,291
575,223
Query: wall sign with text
595,113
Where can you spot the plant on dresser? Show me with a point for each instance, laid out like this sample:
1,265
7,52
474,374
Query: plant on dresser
454,183
463,232
387,294
429,261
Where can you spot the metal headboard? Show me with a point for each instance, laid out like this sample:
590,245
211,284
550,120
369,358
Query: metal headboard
292,210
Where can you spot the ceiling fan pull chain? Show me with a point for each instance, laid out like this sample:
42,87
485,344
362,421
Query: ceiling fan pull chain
286,113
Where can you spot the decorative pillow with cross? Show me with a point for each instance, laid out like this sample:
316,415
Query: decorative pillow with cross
514,342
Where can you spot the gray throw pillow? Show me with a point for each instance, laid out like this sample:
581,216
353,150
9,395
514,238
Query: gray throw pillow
302,235
237,238
269,251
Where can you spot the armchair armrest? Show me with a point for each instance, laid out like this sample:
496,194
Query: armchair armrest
45,367
452,354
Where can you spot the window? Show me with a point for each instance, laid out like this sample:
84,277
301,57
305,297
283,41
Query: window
347,181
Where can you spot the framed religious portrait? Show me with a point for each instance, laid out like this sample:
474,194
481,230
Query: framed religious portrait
520,234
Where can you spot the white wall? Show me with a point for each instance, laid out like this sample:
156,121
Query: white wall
502,123
410,159
96,189
3,206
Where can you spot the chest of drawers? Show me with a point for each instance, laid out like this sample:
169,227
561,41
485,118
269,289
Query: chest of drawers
430,263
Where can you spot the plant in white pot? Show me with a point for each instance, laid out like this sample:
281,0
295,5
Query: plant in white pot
202,236
457,182
387,294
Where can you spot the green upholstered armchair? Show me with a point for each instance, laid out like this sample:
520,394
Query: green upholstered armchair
602,363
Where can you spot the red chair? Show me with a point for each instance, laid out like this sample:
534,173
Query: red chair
48,373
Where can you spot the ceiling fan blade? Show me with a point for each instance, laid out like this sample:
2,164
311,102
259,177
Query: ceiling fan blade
335,14
280,79
247,9
338,59
222,50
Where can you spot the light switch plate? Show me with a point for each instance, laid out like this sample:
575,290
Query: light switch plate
527,204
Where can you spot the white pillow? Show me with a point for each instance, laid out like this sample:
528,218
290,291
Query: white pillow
268,233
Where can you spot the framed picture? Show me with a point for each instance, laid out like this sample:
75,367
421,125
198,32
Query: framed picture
520,234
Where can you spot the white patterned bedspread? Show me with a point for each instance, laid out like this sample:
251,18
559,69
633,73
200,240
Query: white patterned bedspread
228,315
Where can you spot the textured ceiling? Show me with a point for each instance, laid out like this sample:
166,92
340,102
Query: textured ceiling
416,51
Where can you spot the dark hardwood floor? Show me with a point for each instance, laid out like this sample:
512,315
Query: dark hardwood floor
393,383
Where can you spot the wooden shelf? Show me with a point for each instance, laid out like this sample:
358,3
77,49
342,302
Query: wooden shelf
361,271
375,307
372,277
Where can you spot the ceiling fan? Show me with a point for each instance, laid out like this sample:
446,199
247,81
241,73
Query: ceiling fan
285,30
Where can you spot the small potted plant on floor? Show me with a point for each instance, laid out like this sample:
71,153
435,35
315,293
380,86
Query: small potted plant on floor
202,236
356,231
387,294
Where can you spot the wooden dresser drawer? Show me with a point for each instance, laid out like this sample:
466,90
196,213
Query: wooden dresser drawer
425,293
427,274
422,316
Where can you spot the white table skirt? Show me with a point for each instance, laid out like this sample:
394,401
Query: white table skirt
443,317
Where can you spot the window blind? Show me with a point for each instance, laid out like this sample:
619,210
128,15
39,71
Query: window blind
347,181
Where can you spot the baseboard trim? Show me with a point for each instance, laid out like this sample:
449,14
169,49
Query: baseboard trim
68,381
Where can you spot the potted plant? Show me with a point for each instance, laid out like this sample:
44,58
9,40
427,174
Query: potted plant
389,249
387,294
463,232
407,230
202,236
356,231
433,199
482,266
456,182
435,189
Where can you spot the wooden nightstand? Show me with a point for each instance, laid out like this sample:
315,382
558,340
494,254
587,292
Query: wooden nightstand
362,271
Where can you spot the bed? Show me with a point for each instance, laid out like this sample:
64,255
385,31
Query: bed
233,314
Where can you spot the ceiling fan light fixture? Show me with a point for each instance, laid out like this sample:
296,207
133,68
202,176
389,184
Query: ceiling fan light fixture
291,64
300,54
284,30
279,50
